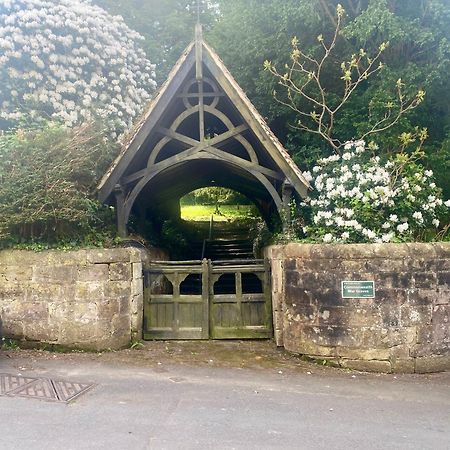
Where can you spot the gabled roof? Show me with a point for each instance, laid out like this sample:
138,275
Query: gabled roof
161,100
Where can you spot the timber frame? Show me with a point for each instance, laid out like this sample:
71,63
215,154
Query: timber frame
200,130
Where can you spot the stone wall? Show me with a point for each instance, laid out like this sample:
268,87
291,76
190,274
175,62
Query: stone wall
89,299
405,328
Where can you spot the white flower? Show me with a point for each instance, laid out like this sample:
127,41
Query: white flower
308,176
387,237
447,203
393,218
418,216
402,227
328,238
428,173
435,222
345,235
386,225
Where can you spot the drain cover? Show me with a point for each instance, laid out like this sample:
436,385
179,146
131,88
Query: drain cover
41,388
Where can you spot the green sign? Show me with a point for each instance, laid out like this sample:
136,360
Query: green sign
358,289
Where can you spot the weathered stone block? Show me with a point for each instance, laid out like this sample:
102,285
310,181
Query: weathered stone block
398,336
367,366
442,296
441,324
292,277
406,365
379,265
390,315
308,348
400,352
432,364
415,315
54,274
89,291
442,249
424,334
443,279
390,296
108,308
93,272
365,354
426,280
40,292
422,297
108,256
17,273
13,328
137,271
137,286
120,272
295,251
393,280
118,289
420,250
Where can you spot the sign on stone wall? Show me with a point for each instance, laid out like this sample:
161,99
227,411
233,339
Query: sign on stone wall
358,289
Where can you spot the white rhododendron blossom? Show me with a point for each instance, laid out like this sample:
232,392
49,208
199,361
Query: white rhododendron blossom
69,59
359,198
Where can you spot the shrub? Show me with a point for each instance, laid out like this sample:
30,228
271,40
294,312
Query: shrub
47,178
360,198
68,59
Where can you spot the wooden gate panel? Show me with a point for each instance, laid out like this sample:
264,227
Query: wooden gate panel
176,315
238,315
233,304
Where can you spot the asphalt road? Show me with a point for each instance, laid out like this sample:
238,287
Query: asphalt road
180,406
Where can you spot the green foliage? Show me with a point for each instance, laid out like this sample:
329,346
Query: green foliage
168,26
9,344
47,181
217,196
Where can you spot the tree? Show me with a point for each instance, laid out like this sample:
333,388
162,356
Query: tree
168,26
318,107
217,196
68,61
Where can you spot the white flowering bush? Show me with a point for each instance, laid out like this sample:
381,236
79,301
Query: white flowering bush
359,198
68,60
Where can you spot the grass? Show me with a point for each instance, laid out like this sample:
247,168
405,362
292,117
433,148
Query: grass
227,212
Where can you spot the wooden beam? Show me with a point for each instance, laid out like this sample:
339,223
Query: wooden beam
201,111
205,95
224,156
178,137
120,211
227,135
198,52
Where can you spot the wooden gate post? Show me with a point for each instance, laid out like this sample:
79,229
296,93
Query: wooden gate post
205,297
287,191
120,211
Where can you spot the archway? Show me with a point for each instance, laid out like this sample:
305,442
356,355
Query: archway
200,129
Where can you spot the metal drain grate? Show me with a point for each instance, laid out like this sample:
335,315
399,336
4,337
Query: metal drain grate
41,388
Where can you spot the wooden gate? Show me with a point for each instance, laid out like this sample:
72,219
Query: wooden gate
207,300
